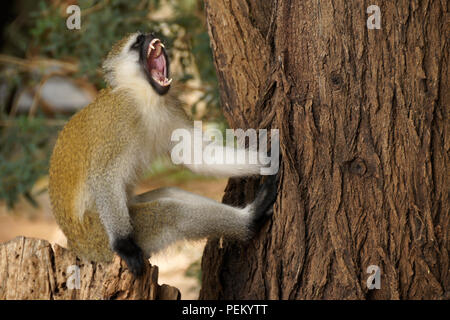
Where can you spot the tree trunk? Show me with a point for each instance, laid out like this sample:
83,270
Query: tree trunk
364,140
32,269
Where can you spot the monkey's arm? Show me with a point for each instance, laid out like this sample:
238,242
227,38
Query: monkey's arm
204,159
111,205
229,168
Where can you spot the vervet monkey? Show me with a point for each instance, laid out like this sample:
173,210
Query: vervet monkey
104,149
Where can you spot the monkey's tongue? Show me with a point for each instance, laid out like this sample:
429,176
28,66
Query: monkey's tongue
158,63
157,66
157,75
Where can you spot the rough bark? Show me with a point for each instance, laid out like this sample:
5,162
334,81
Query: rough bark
32,269
363,119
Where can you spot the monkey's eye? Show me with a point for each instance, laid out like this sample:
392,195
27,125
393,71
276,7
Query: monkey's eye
139,40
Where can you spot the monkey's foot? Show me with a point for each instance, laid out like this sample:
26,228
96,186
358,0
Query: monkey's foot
262,206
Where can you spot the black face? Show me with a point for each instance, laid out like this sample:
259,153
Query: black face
154,61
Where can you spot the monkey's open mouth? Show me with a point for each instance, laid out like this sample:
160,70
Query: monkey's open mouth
157,63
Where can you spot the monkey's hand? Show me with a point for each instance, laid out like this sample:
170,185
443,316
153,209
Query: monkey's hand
129,251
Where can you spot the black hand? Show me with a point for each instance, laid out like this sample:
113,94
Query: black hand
129,251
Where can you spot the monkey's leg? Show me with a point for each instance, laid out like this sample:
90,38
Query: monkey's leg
163,216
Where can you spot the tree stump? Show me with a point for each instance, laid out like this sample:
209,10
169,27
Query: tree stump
34,269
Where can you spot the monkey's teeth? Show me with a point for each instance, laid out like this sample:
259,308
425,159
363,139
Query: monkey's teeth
152,47
165,82
153,42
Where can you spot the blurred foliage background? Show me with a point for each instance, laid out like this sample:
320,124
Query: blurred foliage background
36,44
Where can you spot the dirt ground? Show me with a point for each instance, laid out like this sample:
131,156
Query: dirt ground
179,265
